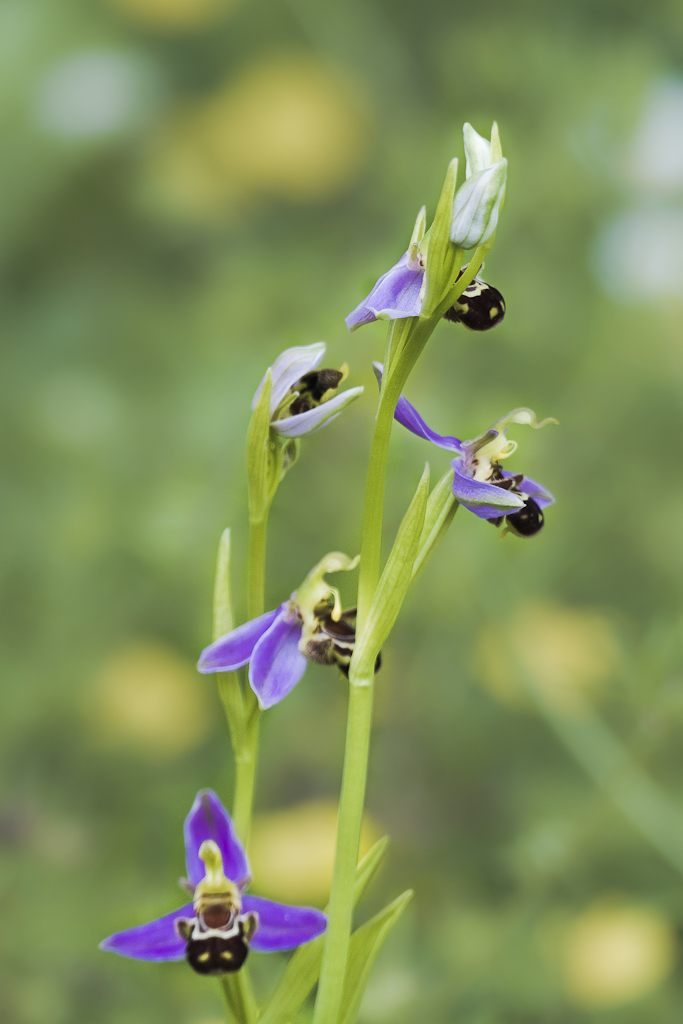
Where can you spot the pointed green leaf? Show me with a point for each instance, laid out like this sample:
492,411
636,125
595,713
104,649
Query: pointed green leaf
222,603
440,250
368,867
259,455
392,587
228,684
303,969
441,508
365,944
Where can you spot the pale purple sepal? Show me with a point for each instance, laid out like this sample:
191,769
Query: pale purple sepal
308,422
283,927
486,500
277,664
289,367
234,649
534,490
157,940
408,416
396,295
208,819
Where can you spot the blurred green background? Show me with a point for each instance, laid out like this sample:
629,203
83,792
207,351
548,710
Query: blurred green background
186,188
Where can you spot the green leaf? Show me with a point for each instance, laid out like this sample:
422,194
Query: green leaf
392,587
229,688
222,603
441,508
260,454
441,252
303,969
365,944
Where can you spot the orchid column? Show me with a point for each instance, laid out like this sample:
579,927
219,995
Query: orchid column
414,295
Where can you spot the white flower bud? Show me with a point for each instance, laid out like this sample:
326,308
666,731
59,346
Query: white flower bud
477,204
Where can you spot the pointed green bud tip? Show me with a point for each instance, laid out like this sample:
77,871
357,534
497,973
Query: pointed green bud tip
479,152
496,148
418,232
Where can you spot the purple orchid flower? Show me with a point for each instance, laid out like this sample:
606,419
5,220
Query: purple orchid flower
215,932
279,644
400,292
304,399
479,483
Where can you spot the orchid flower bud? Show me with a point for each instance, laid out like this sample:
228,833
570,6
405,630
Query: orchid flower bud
477,202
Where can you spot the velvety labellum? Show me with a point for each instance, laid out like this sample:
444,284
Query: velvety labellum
217,951
334,642
479,308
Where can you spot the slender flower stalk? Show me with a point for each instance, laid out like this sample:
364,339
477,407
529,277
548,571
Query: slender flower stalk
294,399
414,309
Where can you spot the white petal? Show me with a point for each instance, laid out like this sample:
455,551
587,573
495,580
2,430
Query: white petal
306,423
288,368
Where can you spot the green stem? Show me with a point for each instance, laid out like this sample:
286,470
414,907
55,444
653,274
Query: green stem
246,758
239,997
257,567
246,755
405,341
237,988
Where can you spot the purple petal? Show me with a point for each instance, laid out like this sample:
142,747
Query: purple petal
282,926
536,491
235,648
277,664
208,819
395,295
157,940
486,500
408,416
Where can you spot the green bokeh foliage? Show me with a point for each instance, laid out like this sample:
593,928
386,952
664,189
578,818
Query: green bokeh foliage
132,345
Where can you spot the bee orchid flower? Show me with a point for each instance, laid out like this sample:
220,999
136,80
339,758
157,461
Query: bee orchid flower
216,930
401,291
278,645
479,483
303,398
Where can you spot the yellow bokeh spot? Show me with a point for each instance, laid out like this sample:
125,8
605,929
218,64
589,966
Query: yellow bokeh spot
292,851
173,15
148,697
567,654
180,178
615,954
287,127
